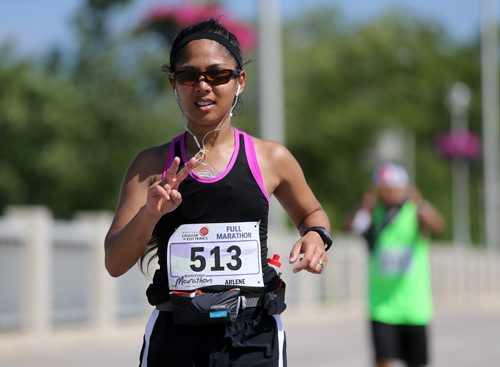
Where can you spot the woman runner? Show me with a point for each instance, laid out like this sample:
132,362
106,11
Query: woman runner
200,203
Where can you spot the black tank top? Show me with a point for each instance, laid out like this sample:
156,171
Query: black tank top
235,195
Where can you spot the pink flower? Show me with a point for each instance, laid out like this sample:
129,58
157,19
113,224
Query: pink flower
167,21
458,145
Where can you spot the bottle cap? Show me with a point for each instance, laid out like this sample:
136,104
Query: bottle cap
275,261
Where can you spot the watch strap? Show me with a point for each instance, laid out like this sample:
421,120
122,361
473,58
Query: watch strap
324,234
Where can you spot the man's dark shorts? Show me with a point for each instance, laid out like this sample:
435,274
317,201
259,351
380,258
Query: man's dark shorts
404,342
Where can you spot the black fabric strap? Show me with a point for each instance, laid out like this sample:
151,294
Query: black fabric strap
214,37
374,231
250,302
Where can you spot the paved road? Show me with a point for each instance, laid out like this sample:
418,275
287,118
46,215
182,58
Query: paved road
463,335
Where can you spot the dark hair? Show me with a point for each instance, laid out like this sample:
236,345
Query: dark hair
207,29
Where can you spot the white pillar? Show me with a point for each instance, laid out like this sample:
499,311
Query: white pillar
458,100
104,292
491,138
37,266
271,88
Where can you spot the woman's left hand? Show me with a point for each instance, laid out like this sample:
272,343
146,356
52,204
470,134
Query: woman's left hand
312,247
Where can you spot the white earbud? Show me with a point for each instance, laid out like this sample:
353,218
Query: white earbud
235,100
176,96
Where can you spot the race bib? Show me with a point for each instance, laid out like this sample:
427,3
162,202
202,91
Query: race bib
395,261
215,254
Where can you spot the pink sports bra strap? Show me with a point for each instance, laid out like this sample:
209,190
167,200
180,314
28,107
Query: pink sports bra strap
253,163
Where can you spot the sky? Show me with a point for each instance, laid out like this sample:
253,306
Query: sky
34,26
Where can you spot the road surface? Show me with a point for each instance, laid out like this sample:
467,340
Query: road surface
463,334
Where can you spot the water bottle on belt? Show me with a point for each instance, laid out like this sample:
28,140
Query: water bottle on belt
275,263
274,300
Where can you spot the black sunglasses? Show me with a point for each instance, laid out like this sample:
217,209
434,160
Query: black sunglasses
213,77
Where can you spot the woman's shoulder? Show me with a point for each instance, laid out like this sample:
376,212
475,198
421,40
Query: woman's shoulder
150,161
153,153
157,152
269,149
275,161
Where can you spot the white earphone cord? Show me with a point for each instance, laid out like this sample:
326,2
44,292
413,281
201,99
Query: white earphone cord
200,156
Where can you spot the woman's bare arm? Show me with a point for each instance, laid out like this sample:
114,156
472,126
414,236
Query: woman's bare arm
145,196
284,178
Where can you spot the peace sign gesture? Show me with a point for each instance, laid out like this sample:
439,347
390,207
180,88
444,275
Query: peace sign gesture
163,196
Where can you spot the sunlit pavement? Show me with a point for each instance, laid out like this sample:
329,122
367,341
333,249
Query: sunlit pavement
463,334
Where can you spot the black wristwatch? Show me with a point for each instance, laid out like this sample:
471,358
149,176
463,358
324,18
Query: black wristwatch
325,235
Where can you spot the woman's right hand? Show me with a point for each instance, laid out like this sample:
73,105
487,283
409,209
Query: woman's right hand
163,195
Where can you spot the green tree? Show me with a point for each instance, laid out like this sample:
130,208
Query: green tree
69,130
70,125
345,83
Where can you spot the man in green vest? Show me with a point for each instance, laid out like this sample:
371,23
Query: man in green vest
396,222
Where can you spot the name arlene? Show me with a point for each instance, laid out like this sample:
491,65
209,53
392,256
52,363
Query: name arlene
235,281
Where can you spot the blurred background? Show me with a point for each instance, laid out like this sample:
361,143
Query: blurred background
343,84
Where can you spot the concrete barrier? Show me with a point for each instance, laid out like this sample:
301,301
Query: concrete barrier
52,274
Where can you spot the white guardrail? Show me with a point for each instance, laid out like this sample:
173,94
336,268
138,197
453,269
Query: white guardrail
52,273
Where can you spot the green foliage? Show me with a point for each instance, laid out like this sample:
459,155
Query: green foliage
68,135
346,84
69,128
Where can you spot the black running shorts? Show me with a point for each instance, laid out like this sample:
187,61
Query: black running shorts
254,339
405,342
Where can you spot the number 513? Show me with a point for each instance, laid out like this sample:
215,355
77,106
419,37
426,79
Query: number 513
200,261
